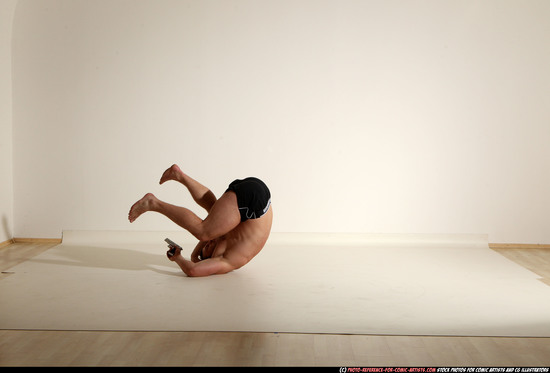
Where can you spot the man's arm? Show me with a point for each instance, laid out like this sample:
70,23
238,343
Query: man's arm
197,251
207,267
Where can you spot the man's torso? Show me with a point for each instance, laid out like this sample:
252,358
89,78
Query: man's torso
245,241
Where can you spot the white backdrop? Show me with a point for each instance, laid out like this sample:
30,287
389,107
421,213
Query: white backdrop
361,116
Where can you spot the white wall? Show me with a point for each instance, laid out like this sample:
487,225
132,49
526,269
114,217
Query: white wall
7,8
362,116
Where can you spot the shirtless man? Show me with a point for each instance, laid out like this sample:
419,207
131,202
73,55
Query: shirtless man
236,228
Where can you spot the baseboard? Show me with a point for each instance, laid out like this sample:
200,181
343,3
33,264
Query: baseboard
495,246
36,240
498,246
30,240
6,243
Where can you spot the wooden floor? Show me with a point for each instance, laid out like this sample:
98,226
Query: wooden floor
109,348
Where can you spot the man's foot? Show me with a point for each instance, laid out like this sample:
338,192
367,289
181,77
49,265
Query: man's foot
143,205
173,173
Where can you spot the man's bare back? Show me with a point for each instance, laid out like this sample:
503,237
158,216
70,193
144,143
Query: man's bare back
236,228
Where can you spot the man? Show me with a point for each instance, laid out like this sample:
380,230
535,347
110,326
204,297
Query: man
236,228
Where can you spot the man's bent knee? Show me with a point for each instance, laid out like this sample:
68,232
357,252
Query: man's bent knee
205,233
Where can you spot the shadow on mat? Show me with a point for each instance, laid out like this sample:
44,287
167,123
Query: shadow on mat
110,258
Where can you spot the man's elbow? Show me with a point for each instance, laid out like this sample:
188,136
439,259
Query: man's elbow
192,272
200,271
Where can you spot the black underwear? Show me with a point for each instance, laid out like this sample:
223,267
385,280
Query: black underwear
253,197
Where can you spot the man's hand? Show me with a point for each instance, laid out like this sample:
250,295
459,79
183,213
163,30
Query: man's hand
173,252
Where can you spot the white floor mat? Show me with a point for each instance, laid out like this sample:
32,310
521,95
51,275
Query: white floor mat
320,283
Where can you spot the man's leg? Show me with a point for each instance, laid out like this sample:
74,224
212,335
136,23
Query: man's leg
201,194
223,217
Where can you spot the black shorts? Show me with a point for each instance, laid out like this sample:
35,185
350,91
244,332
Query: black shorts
253,197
